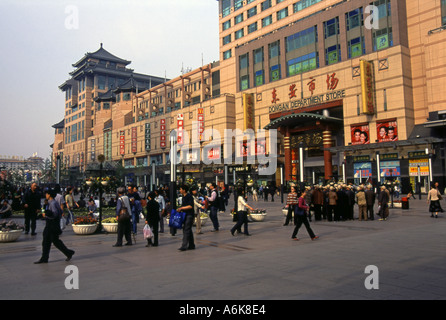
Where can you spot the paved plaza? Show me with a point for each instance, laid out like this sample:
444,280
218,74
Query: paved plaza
408,252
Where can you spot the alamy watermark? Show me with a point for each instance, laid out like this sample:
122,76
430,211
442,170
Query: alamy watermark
72,18
72,280
235,141
371,282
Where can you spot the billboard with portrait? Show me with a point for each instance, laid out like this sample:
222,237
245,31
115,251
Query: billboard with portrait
360,134
387,131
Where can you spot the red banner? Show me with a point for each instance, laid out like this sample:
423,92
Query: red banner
122,142
163,133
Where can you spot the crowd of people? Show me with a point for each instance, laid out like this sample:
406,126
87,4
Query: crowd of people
333,202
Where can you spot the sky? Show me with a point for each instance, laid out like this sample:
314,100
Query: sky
41,39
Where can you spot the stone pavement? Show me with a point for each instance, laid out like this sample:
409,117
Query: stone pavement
408,251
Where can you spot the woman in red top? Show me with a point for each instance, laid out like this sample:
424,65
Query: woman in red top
301,213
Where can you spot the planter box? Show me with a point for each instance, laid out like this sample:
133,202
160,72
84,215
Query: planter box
257,216
110,227
84,229
10,236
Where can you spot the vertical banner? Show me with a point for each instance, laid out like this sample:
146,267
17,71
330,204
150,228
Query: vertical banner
122,142
163,133
180,127
147,137
248,111
200,123
134,139
367,87
93,149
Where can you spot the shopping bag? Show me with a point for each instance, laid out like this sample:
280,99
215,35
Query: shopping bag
147,232
176,219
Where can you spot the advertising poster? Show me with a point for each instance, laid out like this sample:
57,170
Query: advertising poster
362,170
387,131
360,134
390,169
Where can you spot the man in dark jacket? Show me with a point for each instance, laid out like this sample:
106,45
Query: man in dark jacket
317,199
351,203
370,199
383,200
32,207
153,218
52,230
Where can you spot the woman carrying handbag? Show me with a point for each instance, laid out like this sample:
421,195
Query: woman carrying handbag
242,213
301,214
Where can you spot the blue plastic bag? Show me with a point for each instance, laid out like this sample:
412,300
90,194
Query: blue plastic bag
176,219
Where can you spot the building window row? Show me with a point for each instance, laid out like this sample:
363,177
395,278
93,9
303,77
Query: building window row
302,52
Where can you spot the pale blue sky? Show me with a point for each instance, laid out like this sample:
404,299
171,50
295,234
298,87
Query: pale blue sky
38,50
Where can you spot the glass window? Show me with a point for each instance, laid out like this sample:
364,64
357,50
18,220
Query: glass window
275,72
266,4
354,19
382,39
238,4
244,82
226,25
331,27
301,39
238,18
244,61
226,7
227,39
298,6
302,64
443,12
227,54
282,13
267,21
259,78
274,49
356,47
333,54
239,33
252,27
101,82
252,12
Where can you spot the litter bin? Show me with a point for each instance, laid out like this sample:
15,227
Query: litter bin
405,203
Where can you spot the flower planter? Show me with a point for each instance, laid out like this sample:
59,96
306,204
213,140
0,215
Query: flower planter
104,183
10,236
84,229
89,183
258,217
110,227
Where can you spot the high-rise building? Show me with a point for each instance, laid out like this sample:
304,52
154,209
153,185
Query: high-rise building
353,86
99,78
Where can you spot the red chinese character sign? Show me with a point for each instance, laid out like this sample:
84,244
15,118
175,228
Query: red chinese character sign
134,139
312,85
180,128
200,123
275,98
332,81
122,142
163,133
293,90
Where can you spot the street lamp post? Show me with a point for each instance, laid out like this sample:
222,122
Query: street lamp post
101,159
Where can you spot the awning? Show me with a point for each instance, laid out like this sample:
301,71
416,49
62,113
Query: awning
298,118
